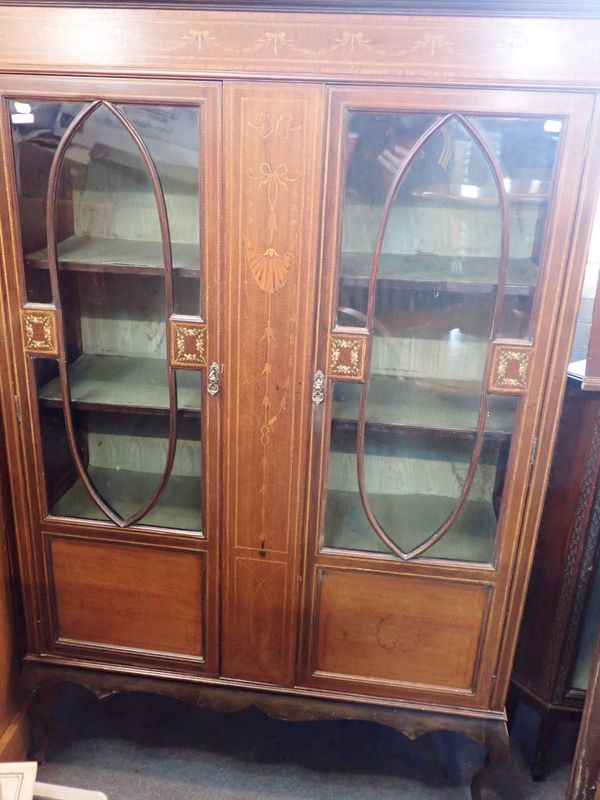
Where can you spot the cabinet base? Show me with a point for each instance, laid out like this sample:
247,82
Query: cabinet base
39,683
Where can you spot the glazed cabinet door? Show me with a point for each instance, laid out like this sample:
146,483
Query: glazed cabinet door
114,286
444,249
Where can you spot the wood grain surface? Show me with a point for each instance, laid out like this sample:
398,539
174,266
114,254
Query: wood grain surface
273,174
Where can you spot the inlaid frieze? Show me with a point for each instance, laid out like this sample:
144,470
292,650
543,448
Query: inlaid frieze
387,48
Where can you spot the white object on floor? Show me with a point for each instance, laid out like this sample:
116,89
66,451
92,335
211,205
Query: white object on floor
46,791
17,780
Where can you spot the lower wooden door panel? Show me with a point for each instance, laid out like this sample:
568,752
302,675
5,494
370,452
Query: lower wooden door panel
394,635
128,602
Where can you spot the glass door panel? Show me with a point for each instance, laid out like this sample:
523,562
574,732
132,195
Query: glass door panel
591,625
110,213
526,151
441,236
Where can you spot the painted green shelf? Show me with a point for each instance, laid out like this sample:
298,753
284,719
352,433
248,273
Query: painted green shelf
87,253
412,517
397,403
123,382
179,505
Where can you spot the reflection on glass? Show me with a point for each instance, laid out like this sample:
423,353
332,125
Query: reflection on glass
526,150
446,230
106,210
35,139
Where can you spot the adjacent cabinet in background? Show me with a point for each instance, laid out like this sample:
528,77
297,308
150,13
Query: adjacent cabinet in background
562,612
286,339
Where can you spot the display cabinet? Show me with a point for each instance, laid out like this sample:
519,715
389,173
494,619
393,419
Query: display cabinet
119,280
425,334
562,612
287,300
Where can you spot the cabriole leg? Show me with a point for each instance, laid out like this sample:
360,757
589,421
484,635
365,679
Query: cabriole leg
497,746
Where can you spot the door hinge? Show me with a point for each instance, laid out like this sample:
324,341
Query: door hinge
18,408
534,447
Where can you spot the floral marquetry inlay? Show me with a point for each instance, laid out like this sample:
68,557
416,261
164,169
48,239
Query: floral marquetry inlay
39,331
510,368
347,354
188,344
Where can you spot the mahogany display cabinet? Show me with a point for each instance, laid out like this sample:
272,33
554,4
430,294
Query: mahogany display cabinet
287,303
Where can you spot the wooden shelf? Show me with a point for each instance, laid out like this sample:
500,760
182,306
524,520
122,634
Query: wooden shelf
123,383
417,516
178,507
438,273
93,254
398,404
